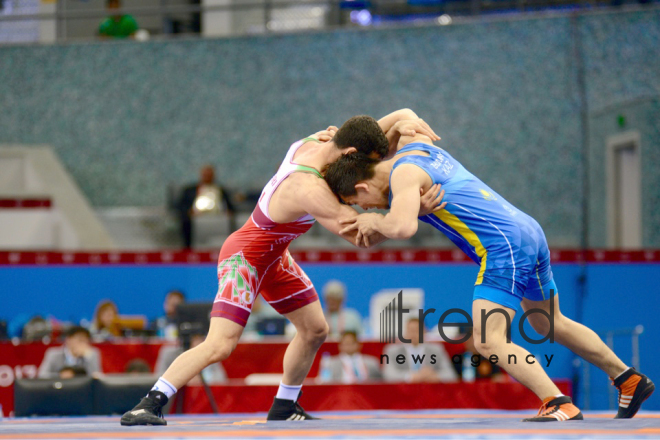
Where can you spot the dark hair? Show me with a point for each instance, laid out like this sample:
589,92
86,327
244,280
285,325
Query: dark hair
363,133
72,331
176,293
349,333
36,329
77,370
137,365
350,169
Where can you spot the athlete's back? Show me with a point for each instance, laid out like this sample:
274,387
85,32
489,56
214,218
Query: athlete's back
508,244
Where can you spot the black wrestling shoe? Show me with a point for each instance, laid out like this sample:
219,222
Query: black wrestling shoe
557,409
284,409
634,388
148,412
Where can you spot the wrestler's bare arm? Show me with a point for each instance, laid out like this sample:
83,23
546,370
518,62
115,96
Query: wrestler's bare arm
418,137
395,127
319,201
407,182
324,135
401,221
387,122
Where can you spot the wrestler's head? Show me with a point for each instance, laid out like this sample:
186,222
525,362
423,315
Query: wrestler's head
353,179
364,134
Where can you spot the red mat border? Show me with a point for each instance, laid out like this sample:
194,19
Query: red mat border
48,258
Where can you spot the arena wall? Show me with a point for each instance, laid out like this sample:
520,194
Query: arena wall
128,118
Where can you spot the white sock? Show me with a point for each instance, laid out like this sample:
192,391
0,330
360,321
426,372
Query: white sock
288,392
558,395
164,387
622,373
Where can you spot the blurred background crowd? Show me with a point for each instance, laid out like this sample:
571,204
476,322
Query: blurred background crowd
78,356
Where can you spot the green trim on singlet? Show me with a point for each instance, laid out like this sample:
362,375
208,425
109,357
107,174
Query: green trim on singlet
310,170
306,169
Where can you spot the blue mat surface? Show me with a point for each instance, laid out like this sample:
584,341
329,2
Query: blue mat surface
440,424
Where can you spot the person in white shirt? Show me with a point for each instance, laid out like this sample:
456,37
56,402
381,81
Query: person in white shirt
203,198
340,319
350,365
424,362
166,326
77,351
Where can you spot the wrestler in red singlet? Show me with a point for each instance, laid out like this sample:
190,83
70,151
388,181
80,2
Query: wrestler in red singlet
255,259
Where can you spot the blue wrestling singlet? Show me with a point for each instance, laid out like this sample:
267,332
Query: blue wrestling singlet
508,244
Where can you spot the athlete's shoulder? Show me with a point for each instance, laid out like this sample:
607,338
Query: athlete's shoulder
410,162
305,185
307,176
408,171
315,198
316,186
420,142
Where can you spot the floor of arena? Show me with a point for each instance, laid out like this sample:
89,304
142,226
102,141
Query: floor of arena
438,424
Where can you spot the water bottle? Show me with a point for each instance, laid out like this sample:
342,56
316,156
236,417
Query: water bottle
468,374
325,375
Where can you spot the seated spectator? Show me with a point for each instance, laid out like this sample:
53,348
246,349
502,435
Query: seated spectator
422,370
166,326
117,25
36,329
76,351
340,319
351,366
137,366
483,369
104,326
246,200
71,371
213,374
260,310
202,198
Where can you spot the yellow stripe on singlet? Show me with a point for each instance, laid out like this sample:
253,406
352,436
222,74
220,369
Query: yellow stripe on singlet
539,278
461,228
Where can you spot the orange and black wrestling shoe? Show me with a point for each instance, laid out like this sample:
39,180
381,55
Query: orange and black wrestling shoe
634,388
557,409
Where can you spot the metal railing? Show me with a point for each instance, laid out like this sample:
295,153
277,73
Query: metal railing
164,9
610,335
336,13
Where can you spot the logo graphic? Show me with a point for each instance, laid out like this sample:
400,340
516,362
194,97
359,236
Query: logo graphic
238,280
392,325
487,195
388,320
392,320
442,165
290,266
